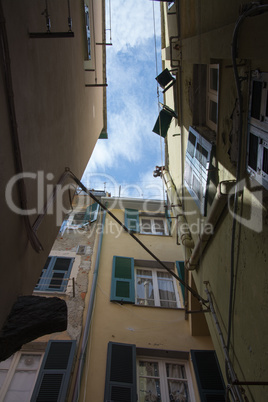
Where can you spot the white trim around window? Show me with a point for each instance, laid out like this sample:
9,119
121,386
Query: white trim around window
18,375
212,96
155,225
156,287
160,379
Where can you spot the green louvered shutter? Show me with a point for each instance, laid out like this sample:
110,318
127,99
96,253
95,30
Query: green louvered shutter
53,379
120,384
208,376
181,273
162,123
132,220
91,213
123,288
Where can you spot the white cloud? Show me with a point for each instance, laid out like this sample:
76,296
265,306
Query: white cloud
132,22
130,138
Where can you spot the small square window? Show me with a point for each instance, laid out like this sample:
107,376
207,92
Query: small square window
156,226
81,250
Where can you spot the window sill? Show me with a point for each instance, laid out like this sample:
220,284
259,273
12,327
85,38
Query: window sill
154,234
49,292
160,307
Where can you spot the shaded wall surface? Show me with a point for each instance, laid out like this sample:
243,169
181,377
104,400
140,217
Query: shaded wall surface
58,121
206,37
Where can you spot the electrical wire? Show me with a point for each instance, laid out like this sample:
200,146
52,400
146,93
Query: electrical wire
110,13
191,290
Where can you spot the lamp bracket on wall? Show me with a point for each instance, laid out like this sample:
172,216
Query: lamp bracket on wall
48,33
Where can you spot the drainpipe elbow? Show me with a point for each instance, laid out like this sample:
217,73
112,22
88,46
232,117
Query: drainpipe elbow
190,266
187,240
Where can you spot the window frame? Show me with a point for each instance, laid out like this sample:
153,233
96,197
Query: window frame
259,128
47,275
12,370
212,96
198,173
163,379
90,215
157,300
152,224
133,221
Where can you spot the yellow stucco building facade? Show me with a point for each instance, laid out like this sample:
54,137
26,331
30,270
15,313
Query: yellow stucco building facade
139,341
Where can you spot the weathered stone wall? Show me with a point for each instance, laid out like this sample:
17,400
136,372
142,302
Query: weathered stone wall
66,245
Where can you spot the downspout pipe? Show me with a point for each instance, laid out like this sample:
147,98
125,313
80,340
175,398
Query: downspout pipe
224,190
89,316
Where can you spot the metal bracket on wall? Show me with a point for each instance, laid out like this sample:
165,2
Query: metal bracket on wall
197,311
173,43
96,85
50,35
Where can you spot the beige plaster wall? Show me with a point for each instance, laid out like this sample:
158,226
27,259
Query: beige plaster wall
58,120
207,29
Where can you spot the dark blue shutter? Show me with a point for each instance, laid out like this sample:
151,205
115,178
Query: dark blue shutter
120,384
132,220
122,286
208,376
52,381
91,213
38,286
181,273
162,123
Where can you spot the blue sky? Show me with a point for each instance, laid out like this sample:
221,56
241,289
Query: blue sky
129,156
